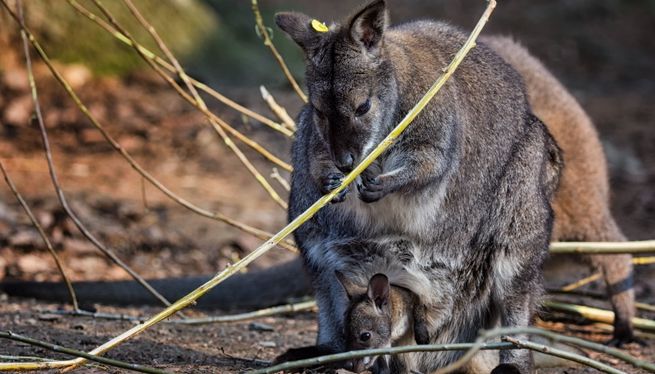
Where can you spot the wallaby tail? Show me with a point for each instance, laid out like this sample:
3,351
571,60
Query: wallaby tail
258,289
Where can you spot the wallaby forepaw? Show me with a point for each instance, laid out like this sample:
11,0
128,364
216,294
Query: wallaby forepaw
371,189
330,182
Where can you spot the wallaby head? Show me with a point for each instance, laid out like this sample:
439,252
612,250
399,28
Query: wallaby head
368,321
352,87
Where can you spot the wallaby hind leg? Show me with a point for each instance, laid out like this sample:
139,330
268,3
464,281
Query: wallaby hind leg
617,272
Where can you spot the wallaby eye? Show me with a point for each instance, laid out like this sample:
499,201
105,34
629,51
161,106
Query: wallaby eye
364,108
365,336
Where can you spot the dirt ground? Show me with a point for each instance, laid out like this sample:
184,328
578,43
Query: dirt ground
159,238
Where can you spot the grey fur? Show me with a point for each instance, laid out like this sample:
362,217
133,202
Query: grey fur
469,183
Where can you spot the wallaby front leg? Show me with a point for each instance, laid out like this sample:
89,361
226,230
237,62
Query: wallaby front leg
326,174
516,312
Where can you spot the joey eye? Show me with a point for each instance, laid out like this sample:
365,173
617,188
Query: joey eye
364,108
365,336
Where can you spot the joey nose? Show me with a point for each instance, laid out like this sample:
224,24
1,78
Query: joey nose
345,162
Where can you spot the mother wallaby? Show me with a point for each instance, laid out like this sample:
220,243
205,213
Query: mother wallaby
469,182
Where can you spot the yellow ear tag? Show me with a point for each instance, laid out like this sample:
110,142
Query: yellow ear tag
319,26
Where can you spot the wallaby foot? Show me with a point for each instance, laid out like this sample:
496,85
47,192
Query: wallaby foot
506,369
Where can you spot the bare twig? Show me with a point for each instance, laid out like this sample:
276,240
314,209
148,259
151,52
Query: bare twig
378,352
275,174
563,354
136,166
290,308
217,124
48,245
596,296
555,337
598,315
55,181
582,282
276,108
263,32
166,65
606,248
71,352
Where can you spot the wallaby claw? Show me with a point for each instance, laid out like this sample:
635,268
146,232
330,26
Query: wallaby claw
331,181
371,189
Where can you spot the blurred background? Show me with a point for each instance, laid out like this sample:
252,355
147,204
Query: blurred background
603,51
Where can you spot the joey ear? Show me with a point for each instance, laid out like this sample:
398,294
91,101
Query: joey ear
299,27
368,25
378,290
347,284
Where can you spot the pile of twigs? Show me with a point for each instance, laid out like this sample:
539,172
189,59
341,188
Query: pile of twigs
170,70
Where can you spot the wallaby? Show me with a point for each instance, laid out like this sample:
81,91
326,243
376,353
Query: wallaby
469,182
581,213
382,315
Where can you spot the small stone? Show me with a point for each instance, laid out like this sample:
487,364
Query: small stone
257,326
268,344
49,317
31,264
18,111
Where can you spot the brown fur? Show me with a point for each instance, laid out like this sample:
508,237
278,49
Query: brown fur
386,315
581,204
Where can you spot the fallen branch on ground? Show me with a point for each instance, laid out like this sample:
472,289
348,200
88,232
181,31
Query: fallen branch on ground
596,296
598,315
563,354
20,366
605,248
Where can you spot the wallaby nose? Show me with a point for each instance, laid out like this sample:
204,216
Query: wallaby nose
345,162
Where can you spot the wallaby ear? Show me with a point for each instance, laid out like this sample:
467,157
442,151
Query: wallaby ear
299,27
378,290
368,25
347,284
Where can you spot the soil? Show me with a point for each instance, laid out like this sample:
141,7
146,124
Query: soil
159,238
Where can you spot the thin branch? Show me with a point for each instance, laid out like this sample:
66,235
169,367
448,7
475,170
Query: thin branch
130,160
596,296
282,309
268,42
166,65
606,248
275,174
276,108
290,308
302,218
48,245
555,337
596,276
563,354
217,124
55,181
598,315
582,282
378,352
71,352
